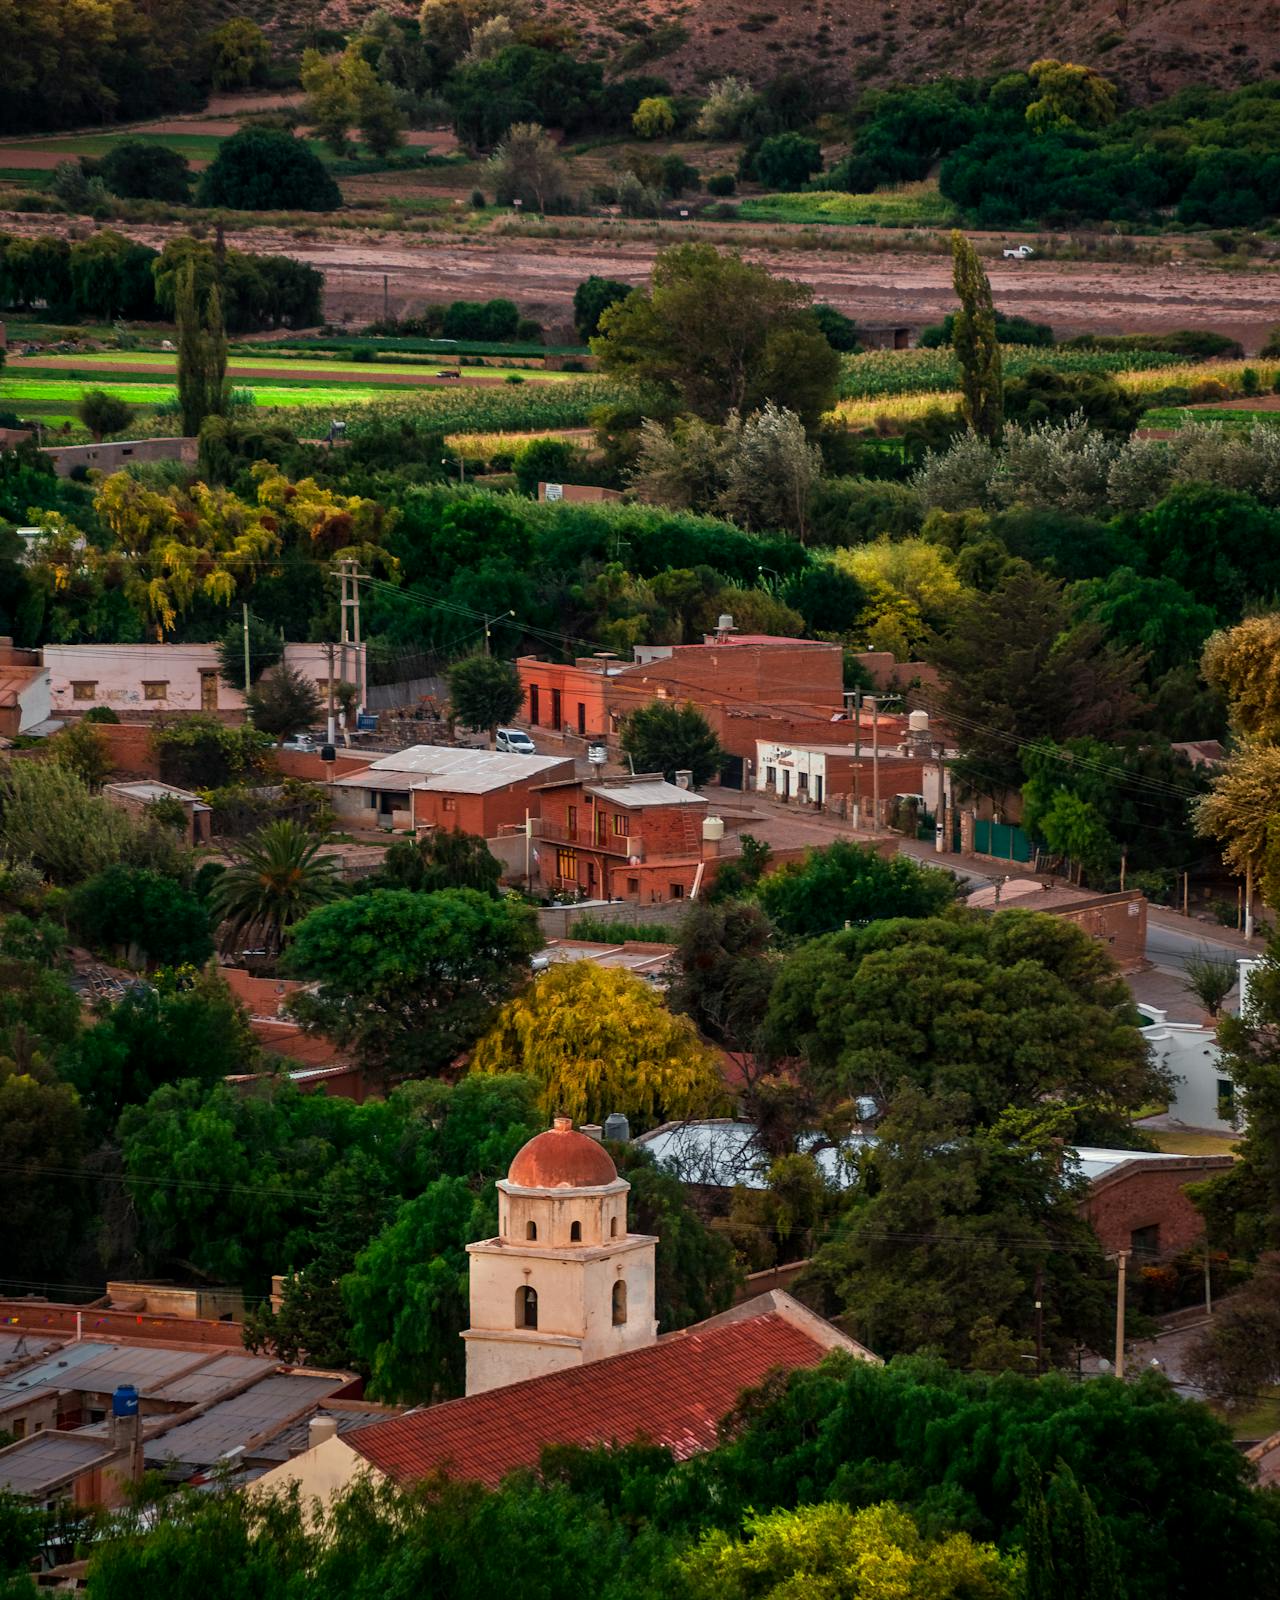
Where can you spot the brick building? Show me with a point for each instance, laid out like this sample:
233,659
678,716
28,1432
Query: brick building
25,702
733,679
638,839
436,786
1118,921
1138,1200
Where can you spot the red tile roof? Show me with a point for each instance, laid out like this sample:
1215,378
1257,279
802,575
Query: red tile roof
562,1158
672,1393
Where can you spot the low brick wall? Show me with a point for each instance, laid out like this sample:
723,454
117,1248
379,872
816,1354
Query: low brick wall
123,453
41,1316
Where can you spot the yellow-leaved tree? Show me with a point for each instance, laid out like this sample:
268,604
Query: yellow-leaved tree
1243,663
597,1040
830,1552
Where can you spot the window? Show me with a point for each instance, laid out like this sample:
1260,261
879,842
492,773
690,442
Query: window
526,1307
582,719
208,689
567,864
802,782
575,1233
449,803
84,691
771,777
619,1302
157,690
1226,1100
533,704
613,1227
18,1428
633,886
620,824
677,891
555,709
531,1230
573,822
1145,1241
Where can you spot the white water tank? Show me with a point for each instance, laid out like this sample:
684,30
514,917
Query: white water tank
712,829
918,722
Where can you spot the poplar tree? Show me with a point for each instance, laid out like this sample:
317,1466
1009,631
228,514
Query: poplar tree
976,345
202,354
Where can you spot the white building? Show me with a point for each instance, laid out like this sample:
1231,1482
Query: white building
156,678
1204,1095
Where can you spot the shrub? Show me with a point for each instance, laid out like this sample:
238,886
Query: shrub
489,319
100,714
103,412
721,183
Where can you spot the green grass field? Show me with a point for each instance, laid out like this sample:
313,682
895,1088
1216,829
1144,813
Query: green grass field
387,375
1181,416
906,205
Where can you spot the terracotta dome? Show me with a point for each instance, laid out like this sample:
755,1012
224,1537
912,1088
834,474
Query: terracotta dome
562,1158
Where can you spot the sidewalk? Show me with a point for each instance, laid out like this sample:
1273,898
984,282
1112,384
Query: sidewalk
1206,929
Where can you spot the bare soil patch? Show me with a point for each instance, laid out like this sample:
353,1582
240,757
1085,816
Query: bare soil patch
895,286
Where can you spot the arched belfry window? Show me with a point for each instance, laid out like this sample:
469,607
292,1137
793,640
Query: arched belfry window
531,1230
619,1302
575,1233
526,1307
613,1227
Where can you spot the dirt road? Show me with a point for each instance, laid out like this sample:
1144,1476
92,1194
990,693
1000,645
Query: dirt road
889,287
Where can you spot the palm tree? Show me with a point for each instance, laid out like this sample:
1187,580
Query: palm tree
278,877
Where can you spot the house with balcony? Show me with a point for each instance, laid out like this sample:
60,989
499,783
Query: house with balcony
633,838
438,786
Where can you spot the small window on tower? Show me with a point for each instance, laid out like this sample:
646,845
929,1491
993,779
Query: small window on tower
613,1227
526,1307
619,1302
575,1233
531,1230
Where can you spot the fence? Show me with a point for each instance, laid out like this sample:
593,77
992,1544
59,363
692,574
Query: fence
1003,840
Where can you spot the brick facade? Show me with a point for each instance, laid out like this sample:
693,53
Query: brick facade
1124,1205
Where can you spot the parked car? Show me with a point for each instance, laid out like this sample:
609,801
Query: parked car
516,742
1019,252
302,742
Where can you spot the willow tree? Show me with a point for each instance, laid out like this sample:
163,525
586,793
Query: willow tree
976,345
597,1040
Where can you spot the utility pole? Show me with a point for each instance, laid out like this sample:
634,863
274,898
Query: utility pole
857,724
1122,1260
1039,1321
875,762
528,849
244,622
1248,898
1186,893
1124,856
349,574
330,736
1208,1281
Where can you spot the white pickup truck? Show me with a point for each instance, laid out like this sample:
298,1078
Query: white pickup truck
1020,252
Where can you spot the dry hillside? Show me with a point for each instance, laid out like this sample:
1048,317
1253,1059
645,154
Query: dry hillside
1151,46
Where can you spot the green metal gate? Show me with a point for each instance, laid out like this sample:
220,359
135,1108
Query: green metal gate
1004,840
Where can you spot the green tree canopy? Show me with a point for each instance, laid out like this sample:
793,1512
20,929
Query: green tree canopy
1010,1010
1050,679
846,882
409,980
949,1228
761,343
266,169
123,907
484,692
666,738
440,859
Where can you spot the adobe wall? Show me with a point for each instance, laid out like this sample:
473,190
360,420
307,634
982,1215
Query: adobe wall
50,1317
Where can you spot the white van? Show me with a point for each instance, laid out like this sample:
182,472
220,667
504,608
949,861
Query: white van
516,742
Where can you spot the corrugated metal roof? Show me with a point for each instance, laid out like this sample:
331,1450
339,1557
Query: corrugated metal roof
297,1436
256,1414
215,1378
48,1459
645,794
443,769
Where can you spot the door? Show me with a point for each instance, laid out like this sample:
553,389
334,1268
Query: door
533,704
208,691
582,719
555,709
817,788
591,880
786,783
